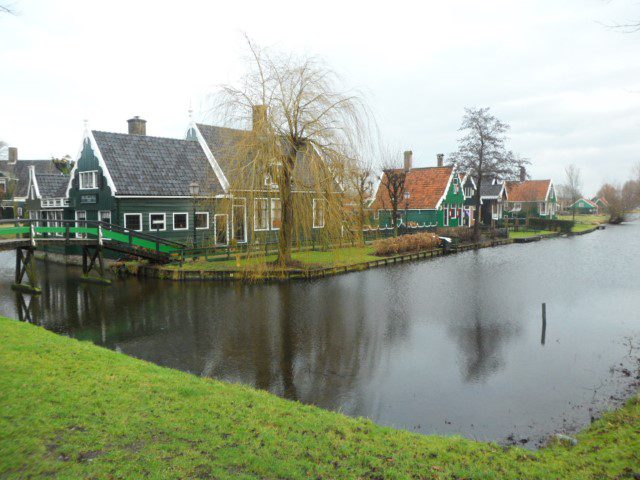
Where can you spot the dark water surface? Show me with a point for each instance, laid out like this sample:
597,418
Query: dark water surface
452,345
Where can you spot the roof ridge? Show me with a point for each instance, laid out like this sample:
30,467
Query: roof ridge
128,135
222,128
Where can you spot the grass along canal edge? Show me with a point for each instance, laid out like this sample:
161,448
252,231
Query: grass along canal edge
74,410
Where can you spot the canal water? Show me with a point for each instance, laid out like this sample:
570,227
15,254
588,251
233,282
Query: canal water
453,345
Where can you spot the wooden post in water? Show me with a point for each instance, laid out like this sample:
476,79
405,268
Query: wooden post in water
544,323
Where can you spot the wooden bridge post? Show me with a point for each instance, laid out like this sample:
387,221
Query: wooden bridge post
25,265
89,263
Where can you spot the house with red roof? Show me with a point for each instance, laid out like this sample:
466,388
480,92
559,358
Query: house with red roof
601,203
531,198
432,196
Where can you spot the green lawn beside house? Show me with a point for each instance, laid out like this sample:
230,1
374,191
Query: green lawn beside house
70,409
306,259
529,233
586,219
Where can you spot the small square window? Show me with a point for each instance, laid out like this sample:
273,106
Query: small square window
157,222
88,180
133,221
180,221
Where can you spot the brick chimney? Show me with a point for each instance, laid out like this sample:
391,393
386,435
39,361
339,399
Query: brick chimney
137,126
408,160
440,157
13,155
523,173
259,115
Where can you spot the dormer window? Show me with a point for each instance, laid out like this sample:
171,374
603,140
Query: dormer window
89,180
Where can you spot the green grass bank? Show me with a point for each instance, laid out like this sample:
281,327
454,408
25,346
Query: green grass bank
69,409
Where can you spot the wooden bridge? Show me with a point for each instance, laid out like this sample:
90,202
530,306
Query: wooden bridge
25,236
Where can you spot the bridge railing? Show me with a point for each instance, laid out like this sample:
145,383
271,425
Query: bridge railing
67,229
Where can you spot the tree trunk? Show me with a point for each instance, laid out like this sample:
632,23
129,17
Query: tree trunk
285,240
361,220
476,214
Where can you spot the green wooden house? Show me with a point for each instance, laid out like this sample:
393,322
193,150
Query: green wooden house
432,197
179,189
601,203
531,198
583,206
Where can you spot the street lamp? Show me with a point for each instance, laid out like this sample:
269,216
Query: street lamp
194,189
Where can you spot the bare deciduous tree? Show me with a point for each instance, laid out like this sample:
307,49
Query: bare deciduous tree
307,126
620,199
392,181
359,182
7,8
572,188
482,152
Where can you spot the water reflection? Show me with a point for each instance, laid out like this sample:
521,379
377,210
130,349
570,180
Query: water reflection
455,339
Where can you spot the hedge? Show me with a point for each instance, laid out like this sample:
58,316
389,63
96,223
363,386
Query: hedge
564,226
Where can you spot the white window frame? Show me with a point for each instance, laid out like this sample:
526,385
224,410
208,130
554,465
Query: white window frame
256,201
80,235
271,210
543,208
215,228
244,222
313,212
455,212
173,218
446,215
94,176
203,228
517,206
124,221
100,212
164,221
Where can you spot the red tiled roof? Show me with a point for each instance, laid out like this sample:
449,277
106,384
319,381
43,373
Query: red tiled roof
528,191
426,186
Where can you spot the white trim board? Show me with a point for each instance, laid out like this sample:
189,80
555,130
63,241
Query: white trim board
212,160
96,151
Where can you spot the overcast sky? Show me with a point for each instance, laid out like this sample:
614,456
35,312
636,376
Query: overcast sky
568,85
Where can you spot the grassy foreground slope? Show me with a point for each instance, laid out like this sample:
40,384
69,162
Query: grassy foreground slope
70,409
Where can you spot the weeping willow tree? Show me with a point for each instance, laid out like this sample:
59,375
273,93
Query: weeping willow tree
290,165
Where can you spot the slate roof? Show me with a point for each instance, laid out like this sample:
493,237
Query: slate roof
155,166
528,191
20,171
224,143
52,186
426,186
490,190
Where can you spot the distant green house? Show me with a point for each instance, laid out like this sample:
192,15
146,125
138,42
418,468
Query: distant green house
14,181
432,196
602,204
531,198
46,197
583,207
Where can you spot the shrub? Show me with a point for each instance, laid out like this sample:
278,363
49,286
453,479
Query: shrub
564,226
406,243
461,233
